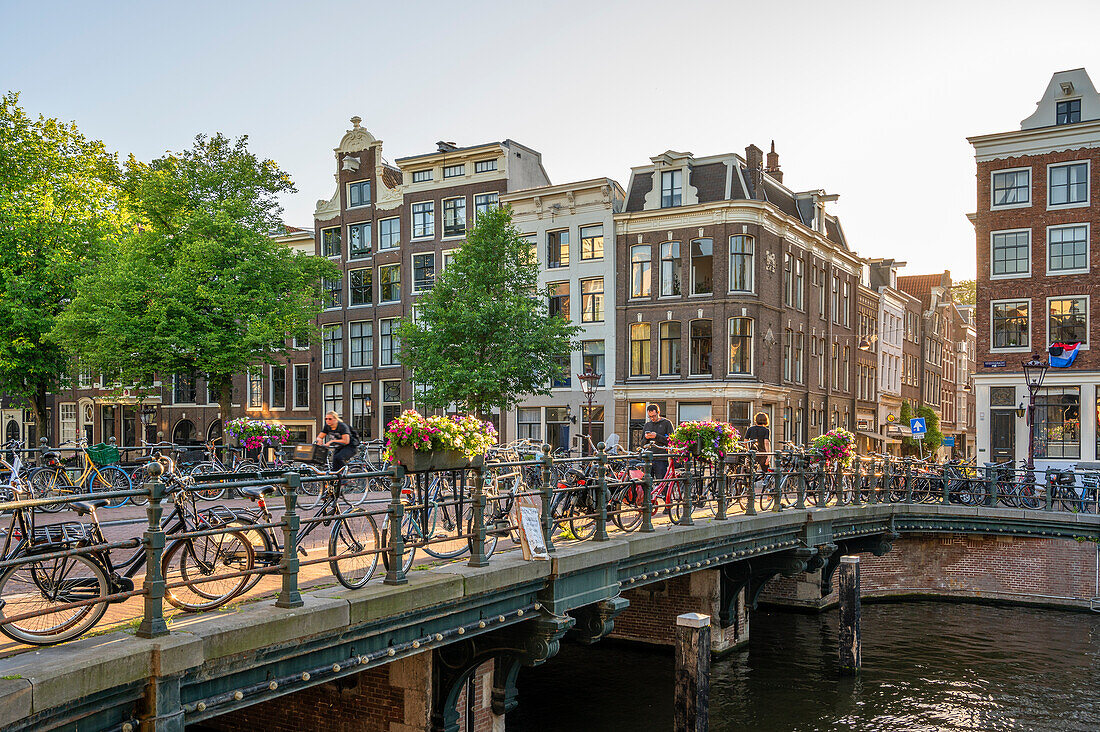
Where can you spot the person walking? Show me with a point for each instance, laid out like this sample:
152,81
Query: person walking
760,439
656,430
338,435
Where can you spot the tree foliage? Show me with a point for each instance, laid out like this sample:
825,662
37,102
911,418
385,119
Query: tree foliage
60,206
932,439
965,292
483,336
199,287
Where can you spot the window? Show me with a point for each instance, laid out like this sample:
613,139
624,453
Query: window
670,268
1011,253
529,423
1068,320
592,300
360,290
391,401
1067,112
788,348
184,390
332,347
485,166
557,249
389,283
740,338
484,202
389,233
1069,184
423,219
835,366
1012,188
1057,422
301,386
359,194
454,171
639,349
67,414
557,427
334,398
592,242
669,336
741,251
1068,248
361,344
671,188
702,266
821,363
562,378
331,291
559,299
846,303
792,281
454,216
387,342
278,387
639,270
532,247
360,408
255,389
358,241
330,242
846,369
423,272
796,368
85,378
700,347
738,413
592,358
836,299
422,176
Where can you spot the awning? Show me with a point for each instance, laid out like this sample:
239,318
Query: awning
872,435
898,430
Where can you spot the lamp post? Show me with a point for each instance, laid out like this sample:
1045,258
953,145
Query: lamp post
148,415
1034,371
589,381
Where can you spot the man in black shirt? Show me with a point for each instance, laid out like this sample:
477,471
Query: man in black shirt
759,437
339,435
656,430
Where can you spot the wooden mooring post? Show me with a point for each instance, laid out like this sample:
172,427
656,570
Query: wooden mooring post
690,708
849,638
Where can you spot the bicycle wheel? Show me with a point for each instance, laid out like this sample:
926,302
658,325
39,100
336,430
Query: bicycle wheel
37,585
579,512
410,534
627,514
214,492
442,525
767,492
199,562
111,478
266,551
353,536
1028,493
51,483
138,478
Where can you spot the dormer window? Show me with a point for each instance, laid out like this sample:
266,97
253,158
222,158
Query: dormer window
1068,112
671,188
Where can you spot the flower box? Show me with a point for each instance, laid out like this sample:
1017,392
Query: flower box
414,461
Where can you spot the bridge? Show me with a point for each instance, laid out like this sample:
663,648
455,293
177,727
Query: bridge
424,634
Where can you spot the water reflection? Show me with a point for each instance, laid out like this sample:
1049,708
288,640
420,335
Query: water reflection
927,667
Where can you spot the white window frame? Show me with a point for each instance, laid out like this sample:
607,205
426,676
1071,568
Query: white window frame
412,220
370,244
393,337
1030,320
992,191
382,248
378,282
294,386
485,166
1088,316
1088,249
423,176
412,262
752,347
1030,251
321,242
271,385
465,220
370,188
329,328
459,171
334,386
1088,185
370,344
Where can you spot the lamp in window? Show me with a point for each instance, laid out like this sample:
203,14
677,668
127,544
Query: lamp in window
589,381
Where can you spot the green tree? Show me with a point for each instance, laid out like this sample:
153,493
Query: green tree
199,287
483,336
965,292
59,207
932,439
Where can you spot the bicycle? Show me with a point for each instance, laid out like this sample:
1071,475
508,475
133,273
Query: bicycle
54,480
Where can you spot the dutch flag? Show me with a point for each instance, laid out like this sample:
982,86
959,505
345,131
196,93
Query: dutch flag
1063,354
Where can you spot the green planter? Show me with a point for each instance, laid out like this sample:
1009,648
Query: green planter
414,461
450,460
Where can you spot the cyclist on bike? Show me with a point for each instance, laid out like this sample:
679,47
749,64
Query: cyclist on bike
338,435
656,430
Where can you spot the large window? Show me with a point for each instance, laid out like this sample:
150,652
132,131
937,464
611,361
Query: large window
485,166
592,300
454,171
669,333
639,349
184,390
1011,253
740,341
741,252
423,272
670,268
423,219
359,240
563,379
557,249
1069,184
360,342
330,242
1068,319
1067,112
301,386
389,283
529,423
1057,422
702,266
360,408
389,233
640,264
359,194
1068,248
484,202
334,398
278,387
454,216
422,176
387,342
1012,188
391,401
331,291
360,288
671,188
700,347
793,281
592,242
592,358
332,351
559,299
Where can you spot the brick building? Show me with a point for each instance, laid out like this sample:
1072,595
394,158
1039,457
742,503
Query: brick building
1033,223
882,276
868,437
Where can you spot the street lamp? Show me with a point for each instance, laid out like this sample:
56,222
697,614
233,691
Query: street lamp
589,381
1034,371
148,418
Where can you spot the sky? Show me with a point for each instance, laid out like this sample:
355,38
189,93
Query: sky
869,100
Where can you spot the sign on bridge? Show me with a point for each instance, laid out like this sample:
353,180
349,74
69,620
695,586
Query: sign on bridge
917,426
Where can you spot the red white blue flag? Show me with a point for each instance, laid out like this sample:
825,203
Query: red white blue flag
1063,354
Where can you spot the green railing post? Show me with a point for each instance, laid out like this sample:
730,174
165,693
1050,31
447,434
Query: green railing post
152,621
43,448
840,501
601,493
722,507
819,477
1049,489
289,596
908,480
395,575
548,499
750,507
888,480
780,483
945,484
647,488
857,483
477,538
800,472
691,475
991,487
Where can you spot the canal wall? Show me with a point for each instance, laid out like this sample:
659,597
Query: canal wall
1027,571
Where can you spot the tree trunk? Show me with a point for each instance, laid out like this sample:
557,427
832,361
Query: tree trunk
38,406
223,383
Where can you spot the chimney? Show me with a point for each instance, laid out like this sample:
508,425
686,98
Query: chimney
442,146
773,165
754,157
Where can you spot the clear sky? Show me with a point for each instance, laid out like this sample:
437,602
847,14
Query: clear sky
870,100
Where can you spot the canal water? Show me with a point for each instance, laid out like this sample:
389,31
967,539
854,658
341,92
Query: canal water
927,666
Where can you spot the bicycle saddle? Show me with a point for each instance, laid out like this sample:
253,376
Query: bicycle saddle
83,508
254,492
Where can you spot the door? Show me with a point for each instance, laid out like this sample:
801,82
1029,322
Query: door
1002,435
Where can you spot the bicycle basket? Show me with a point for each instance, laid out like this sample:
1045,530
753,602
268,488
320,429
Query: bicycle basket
61,536
103,454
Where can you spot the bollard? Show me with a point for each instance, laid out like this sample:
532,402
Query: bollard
692,700
395,574
819,474
857,483
888,480
289,596
750,507
477,539
1049,489
722,507
43,448
908,480
548,499
945,484
840,500
991,486
152,622
601,493
647,488
800,488
691,475
780,483
849,639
